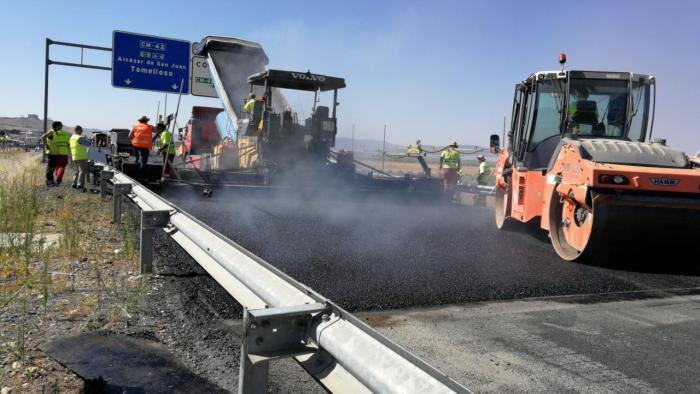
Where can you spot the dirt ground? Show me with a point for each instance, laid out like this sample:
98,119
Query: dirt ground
88,281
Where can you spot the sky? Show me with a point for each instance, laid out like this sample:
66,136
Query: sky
431,70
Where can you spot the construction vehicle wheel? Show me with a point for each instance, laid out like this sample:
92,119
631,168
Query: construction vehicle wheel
502,206
570,228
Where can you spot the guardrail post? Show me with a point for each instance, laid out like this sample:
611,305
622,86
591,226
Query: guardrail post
119,190
274,333
105,176
252,377
150,221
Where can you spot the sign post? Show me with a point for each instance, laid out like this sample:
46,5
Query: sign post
147,62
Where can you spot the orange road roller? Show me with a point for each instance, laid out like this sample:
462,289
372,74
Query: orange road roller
581,161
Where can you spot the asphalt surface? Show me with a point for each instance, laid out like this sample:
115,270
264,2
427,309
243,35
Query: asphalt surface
593,344
378,252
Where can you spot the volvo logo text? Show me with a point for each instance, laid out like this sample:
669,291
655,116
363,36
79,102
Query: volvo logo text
309,77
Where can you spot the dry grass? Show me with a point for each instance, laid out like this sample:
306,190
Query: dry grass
90,281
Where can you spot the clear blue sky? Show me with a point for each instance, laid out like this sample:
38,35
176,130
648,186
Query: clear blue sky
435,70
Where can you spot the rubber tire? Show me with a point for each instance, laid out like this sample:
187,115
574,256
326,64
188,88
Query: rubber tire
502,207
590,254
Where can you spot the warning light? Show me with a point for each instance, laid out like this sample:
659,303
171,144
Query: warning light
562,58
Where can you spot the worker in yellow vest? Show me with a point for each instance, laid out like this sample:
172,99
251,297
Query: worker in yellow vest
484,171
450,165
166,149
141,137
248,107
79,149
56,142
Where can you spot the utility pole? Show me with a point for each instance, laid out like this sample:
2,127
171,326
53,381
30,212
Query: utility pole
383,148
46,96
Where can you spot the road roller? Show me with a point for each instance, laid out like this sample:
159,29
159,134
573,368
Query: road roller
581,162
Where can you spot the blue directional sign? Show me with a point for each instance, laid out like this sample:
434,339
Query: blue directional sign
150,63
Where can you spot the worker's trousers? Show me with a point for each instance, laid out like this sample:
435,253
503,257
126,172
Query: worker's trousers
168,161
81,169
61,163
50,168
142,158
449,178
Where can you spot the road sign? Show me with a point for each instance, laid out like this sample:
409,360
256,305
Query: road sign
146,62
200,79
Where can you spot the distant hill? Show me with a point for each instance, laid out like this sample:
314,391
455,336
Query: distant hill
33,123
365,145
29,123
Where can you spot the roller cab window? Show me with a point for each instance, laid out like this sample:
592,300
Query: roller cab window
546,117
598,107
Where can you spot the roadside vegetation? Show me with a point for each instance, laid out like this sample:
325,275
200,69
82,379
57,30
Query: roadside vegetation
64,269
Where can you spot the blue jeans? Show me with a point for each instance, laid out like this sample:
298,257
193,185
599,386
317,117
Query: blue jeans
142,157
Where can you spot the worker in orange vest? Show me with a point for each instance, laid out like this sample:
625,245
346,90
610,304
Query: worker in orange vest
141,137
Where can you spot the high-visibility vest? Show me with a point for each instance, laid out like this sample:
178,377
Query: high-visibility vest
248,107
143,136
484,173
78,151
412,150
61,139
166,138
50,146
450,159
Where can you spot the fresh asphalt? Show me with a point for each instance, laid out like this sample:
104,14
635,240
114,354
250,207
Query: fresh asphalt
394,260
374,252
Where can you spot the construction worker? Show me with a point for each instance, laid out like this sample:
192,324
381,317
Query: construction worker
166,148
56,142
141,137
484,171
450,165
79,148
414,150
248,107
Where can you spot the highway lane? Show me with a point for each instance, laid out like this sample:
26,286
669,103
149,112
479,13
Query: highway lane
377,252
555,326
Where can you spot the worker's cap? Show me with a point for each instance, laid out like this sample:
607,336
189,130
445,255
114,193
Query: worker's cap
160,125
251,96
144,118
481,157
454,144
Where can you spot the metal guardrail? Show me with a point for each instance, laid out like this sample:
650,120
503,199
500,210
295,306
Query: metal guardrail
282,317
